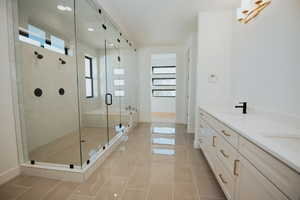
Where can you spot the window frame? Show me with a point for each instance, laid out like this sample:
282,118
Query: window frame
153,67
162,79
25,33
91,77
153,90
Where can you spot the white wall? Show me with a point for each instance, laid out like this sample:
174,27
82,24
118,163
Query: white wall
50,116
8,147
163,104
144,65
214,56
191,59
258,62
266,61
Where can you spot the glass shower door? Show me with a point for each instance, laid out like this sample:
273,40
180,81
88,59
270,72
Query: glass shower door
91,79
125,102
129,107
115,92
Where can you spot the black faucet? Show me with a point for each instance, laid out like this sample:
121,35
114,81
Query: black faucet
244,106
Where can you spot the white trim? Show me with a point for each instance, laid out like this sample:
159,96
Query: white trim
13,62
9,174
191,130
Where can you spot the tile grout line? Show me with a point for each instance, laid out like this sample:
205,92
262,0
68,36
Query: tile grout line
27,189
194,176
52,189
150,174
127,182
72,193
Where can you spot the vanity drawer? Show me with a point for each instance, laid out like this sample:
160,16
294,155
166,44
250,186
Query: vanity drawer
226,180
228,156
277,172
230,135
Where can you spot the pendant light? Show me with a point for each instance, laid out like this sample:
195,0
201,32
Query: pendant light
246,6
241,15
251,9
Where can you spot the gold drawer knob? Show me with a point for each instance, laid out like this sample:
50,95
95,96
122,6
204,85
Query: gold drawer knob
214,141
235,170
225,133
224,154
222,179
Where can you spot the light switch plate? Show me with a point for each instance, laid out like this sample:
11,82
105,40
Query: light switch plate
212,78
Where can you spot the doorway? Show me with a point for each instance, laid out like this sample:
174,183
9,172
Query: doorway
163,87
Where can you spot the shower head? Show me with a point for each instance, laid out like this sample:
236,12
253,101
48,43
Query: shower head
39,56
63,62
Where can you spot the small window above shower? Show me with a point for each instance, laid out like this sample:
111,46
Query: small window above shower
36,36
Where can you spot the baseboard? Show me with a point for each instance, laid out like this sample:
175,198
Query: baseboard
9,174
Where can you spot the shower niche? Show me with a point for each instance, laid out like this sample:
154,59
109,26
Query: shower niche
75,87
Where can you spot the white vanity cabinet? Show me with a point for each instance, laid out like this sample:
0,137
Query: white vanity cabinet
243,170
221,156
251,184
207,144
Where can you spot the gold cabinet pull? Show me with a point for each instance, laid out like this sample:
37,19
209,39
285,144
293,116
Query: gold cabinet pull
214,141
235,170
225,133
224,154
222,179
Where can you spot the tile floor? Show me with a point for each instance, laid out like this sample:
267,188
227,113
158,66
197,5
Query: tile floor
163,117
157,162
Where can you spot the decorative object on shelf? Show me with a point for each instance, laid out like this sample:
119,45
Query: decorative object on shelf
251,9
63,62
39,56
38,92
61,91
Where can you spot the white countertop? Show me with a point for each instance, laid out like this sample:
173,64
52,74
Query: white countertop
277,134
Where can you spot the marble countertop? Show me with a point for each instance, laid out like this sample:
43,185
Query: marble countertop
277,134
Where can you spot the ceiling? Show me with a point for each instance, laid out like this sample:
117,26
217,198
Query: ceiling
161,22
45,15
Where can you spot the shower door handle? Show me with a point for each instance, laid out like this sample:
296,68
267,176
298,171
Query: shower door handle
108,99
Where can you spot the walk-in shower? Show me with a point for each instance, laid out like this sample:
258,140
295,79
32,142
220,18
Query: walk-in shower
74,75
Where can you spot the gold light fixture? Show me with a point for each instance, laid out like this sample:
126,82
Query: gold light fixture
251,9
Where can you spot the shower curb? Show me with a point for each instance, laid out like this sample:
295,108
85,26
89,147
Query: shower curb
63,173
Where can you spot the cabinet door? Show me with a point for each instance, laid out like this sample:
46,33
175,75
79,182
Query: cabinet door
253,185
207,147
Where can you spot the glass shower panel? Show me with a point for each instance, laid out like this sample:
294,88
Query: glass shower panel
47,84
134,82
114,81
125,64
91,78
